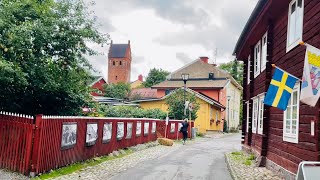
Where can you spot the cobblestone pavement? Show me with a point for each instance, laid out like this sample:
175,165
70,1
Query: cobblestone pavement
7,175
240,171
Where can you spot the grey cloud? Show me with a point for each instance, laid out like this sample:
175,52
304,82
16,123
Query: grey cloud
184,58
137,59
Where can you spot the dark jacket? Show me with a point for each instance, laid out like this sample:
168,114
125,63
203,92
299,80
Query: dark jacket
184,127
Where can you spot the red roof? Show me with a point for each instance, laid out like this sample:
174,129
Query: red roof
143,93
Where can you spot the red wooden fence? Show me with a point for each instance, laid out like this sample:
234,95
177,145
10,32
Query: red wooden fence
34,144
15,141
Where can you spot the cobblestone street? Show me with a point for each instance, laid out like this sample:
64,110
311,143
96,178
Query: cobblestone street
240,171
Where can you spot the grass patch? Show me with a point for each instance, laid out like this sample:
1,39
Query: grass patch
246,159
79,165
199,134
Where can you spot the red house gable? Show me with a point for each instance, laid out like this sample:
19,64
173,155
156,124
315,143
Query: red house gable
98,86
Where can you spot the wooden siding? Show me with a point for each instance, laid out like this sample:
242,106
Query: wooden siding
285,154
271,144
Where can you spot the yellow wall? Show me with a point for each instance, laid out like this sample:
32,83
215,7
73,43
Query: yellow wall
203,120
135,84
233,108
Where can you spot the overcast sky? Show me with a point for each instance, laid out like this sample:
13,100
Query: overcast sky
168,34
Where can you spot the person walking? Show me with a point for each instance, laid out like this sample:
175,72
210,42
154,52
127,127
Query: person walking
184,130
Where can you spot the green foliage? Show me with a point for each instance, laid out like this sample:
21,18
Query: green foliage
251,157
42,52
235,69
155,76
199,134
126,111
176,105
246,159
120,90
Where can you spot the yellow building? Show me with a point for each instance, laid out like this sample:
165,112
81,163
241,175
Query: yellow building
209,113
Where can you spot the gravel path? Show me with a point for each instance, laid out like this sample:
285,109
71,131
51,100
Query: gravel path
110,168
8,175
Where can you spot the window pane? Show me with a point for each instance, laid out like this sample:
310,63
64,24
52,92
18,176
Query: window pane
293,7
299,22
294,112
295,97
288,113
292,23
294,126
300,3
287,126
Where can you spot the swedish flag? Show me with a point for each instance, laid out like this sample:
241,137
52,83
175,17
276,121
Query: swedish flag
280,89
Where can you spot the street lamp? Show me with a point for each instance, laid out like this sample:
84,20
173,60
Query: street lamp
185,77
228,98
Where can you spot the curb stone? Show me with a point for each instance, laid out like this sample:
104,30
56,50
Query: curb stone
232,173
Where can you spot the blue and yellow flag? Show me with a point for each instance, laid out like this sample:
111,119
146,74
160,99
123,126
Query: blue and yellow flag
280,89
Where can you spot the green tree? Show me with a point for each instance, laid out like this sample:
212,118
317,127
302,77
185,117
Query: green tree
176,105
120,90
155,76
43,49
235,69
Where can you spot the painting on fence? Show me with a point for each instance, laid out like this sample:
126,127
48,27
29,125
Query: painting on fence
179,126
138,130
120,130
146,128
154,125
69,135
172,127
107,132
92,134
129,131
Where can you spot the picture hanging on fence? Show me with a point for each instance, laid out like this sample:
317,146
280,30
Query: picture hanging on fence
172,127
92,134
154,125
129,130
146,128
138,130
120,130
107,132
69,135
179,126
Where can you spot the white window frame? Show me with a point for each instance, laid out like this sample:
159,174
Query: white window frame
257,59
291,137
248,115
260,114
298,38
255,108
264,51
248,70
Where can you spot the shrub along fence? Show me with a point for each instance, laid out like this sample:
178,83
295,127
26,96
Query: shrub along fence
41,143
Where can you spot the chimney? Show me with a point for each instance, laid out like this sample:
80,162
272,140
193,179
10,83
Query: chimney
128,41
140,77
204,59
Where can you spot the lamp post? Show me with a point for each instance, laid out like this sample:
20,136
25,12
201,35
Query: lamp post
228,98
185,77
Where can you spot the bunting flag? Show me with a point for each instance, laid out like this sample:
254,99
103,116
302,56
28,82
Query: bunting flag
311,76
280,89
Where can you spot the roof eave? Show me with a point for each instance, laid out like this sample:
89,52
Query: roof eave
254,15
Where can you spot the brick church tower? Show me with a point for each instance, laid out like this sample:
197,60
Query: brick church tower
119,63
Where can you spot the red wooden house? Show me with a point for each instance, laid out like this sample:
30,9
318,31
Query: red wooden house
281,139
97,85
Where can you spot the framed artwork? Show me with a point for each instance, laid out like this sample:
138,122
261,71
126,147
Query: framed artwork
107,132
120,130
172,127
138,129
146,128
154,125
92,134
69,135
129,130
179,126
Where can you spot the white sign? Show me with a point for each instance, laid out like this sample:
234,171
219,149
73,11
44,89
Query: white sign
312,128
138,129
167,121
92,133
120,130
107,132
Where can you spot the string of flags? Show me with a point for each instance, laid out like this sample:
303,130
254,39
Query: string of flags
282,82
